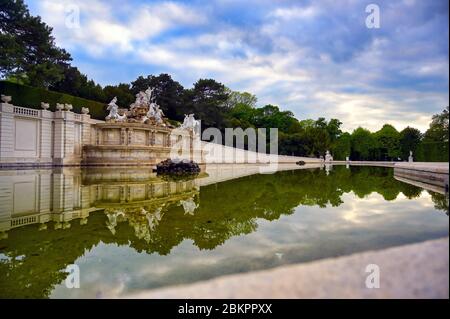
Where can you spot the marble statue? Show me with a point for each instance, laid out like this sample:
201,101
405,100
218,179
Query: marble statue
410,157
113,111
328,157
143,99
190,123
158,114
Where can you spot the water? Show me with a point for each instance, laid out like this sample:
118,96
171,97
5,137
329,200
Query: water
129,230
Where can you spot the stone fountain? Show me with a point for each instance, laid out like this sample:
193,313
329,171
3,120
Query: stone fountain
138,135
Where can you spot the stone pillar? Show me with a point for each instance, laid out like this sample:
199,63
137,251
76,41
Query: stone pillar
86,129
46,136
6,131
63,148
69,135
59,137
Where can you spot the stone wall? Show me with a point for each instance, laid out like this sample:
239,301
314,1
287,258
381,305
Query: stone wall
30,137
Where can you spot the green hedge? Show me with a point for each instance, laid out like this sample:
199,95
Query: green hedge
432,152
27,96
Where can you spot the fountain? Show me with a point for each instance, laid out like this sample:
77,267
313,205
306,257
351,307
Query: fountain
138,135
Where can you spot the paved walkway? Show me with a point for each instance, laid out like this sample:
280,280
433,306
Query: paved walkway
411,271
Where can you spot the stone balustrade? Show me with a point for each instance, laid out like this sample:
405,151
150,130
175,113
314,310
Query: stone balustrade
31,137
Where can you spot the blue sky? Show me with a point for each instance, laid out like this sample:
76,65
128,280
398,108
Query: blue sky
316,58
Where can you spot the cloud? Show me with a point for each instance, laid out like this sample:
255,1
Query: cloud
314,58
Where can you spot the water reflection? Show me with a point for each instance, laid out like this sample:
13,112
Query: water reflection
149,232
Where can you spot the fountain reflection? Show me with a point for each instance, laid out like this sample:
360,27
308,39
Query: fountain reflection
51,218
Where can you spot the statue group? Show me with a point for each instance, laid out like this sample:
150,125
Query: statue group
146,110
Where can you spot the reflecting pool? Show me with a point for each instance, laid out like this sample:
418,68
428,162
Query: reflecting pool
128,229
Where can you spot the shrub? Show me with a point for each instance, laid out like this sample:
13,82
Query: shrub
31,97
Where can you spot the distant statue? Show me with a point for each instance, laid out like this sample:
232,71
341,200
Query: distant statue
190,123
410,158
59,106
149,95
328,157
113,109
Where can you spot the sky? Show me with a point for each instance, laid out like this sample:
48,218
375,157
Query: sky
315,58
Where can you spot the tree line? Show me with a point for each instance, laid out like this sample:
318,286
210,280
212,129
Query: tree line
29,55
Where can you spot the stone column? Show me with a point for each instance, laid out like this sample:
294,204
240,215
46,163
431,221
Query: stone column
59,137
6,131
69,136
63,148
46,137
86,129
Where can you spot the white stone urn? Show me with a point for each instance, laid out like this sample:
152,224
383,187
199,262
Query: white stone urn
85,110
59,106
45,106
68,107
6,98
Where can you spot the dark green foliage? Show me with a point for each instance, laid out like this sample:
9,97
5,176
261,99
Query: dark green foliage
387,143
409,141
32,97
169,93
432,152
228,209
27,49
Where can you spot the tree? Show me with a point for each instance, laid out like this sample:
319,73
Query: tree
71,83
235,98
363,144
342,147
334,129
409,141
207,100
438,131
169,93
28,47
121,91
388,143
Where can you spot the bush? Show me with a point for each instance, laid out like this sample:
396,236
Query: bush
431,152
31,97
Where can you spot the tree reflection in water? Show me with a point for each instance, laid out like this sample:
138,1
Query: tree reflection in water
33,257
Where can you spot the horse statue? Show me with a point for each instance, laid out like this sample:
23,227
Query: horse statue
113,109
